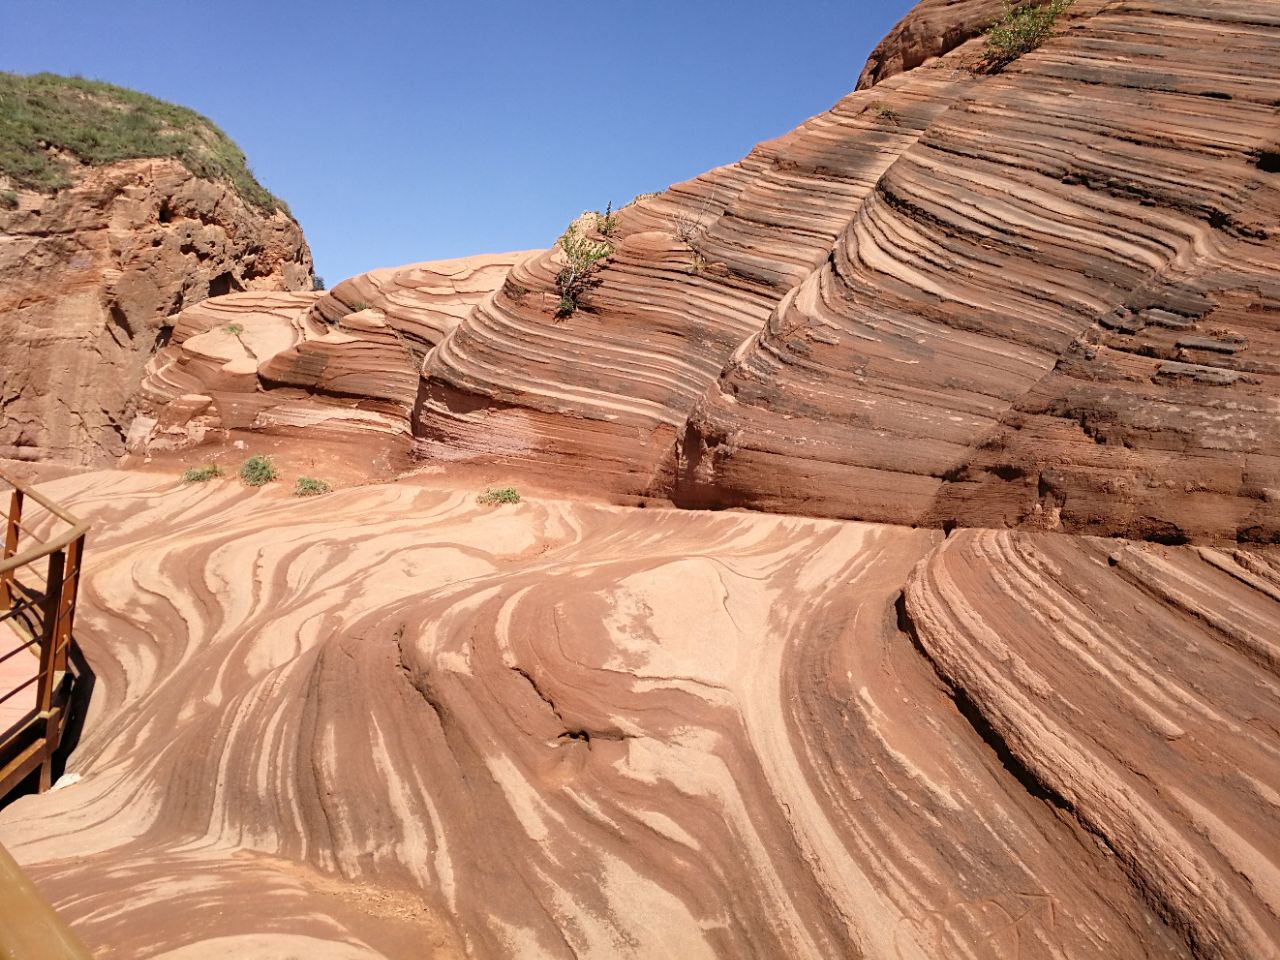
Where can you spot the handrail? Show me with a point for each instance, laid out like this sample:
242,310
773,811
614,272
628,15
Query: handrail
40,616
76,528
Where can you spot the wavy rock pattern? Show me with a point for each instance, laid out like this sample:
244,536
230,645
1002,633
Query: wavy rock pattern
1042,298
1138,686
695,272
1040,315
407,725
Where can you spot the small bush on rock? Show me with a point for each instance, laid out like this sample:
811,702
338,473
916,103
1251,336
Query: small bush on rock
1020,30
8,199
202,474
495,495
234,329
258,471
310,487
582,260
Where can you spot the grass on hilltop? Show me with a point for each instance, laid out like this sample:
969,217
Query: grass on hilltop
43,115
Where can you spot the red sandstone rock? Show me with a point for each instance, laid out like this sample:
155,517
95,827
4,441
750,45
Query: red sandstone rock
1041,298
89,279
342,363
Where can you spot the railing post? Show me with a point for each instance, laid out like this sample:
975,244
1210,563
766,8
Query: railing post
67,606
48,660
10,548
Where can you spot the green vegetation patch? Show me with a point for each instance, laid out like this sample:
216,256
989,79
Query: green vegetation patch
202,474
310,487
582,259
258,470
495,495
1022,28
99,123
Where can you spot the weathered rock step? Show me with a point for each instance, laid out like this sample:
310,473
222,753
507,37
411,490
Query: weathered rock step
1210,376
1228,345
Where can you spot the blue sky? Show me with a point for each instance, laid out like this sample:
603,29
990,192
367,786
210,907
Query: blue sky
402,131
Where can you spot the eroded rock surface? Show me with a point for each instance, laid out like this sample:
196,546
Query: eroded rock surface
89,279
394,723
343,363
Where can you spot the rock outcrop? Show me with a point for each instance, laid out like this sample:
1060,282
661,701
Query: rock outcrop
341,364
1043,298
90,277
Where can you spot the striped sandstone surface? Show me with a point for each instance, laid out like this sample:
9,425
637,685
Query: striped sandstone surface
407,725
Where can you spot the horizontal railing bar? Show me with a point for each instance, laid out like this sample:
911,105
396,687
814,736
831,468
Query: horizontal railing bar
18,649
39,498
20,606
20,687
76,528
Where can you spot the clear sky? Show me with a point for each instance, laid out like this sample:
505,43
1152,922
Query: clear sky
401,131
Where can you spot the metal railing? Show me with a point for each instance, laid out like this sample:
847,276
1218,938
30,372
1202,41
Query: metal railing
39,579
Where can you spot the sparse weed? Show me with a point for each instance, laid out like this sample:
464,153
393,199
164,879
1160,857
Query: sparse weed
582,259
258,470
310,487
496,495
201,474
234,329
1022,29
606,224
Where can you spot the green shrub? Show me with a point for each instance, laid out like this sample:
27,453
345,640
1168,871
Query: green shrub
582,259
99,123
499,495
1020,30
202,474
8,199
258,470
234,329
317,282
310,487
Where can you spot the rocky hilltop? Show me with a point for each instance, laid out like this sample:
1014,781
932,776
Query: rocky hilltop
913,706
116,212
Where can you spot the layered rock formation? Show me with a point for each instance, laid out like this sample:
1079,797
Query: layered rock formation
407,725
89,279
341,364
1041,298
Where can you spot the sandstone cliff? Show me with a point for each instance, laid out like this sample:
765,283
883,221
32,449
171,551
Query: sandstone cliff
1044,297
90,274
